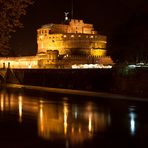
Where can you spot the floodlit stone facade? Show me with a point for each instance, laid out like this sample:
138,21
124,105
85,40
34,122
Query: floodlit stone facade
64,45
75,38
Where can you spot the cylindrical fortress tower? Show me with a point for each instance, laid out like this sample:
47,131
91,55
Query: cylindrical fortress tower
75,38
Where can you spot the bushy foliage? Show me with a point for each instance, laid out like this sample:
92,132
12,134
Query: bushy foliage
130,41
10,13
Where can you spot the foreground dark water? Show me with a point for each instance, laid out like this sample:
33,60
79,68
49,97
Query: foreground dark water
30,119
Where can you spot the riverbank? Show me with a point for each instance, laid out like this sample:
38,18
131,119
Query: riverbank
77,92
133,82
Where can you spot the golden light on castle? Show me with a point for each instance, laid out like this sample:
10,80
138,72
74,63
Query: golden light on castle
70,38
64,45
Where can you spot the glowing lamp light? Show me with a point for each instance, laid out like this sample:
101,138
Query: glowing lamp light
91,66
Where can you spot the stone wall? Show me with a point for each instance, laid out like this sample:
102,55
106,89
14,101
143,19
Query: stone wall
66,43
65,38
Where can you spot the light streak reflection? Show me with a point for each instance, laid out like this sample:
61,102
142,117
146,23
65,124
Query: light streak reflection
132,118
2,102
65,118
57,120
20,102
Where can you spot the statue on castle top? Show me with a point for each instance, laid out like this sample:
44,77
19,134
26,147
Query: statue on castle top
66,16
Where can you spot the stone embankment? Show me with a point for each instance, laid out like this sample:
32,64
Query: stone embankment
132,83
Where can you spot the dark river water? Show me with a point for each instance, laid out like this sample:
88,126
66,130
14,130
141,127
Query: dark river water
30,119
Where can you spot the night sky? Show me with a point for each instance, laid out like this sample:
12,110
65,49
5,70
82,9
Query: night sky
110,17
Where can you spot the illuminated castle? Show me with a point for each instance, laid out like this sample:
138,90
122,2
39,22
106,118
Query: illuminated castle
74,38
73,44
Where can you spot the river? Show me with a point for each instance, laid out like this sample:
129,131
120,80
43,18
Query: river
33,119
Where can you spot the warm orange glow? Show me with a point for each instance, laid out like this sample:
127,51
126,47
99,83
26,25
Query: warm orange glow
7,102
12,101
74,35
58,121
2,102
90,123
61,121
79,129
98,52
19,62
41,37
20,101
65,118
41,118
72,130
57,40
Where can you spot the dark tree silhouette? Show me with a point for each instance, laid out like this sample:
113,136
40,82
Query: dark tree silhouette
130,41
10,13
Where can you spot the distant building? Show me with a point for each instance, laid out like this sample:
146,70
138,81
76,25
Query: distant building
64,46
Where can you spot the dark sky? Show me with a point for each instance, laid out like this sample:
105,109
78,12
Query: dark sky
108,16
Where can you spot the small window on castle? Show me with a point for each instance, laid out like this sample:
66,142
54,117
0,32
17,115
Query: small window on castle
41,37
49,31
91,36
72,36
79,36
39,32
64,36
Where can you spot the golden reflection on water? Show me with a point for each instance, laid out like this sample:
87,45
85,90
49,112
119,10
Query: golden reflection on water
17,104
41,118
65,117
90,123
65,122
2,102
20,102
58,120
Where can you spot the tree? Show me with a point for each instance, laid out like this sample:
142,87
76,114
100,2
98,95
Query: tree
130,41
10,13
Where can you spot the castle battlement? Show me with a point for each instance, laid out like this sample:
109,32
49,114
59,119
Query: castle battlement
75,37
64,45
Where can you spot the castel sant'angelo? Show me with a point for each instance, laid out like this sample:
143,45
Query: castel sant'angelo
63,46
